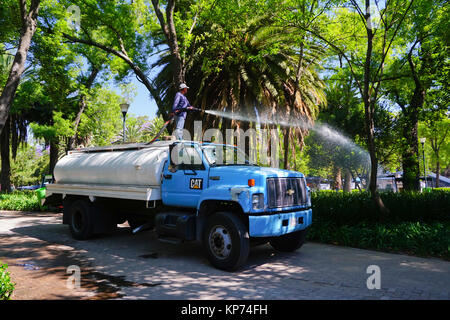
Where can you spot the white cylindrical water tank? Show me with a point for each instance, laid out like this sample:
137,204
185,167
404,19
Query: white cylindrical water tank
142,167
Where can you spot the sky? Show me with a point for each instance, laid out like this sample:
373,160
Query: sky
142,104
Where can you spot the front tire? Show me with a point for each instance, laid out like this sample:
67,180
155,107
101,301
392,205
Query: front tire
289,242
226,241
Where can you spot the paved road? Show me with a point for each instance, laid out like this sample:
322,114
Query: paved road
39,248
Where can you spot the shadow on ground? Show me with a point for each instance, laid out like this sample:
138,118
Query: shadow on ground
138,266
126,266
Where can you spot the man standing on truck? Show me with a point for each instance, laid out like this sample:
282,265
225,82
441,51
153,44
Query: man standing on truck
180,105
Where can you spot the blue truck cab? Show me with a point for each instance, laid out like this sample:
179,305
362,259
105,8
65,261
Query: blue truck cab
217,196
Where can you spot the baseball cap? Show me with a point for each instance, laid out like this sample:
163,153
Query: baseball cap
183,85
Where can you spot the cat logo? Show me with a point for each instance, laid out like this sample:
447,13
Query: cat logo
196,183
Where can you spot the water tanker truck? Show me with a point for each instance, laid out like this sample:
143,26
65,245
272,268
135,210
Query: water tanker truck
186,191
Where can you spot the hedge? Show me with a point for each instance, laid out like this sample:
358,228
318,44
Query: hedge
342,208
416,238
20,201
418,223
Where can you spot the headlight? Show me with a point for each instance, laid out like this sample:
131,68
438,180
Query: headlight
257,201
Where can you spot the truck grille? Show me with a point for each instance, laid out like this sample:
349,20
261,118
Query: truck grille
286,192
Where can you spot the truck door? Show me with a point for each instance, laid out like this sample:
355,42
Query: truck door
185,176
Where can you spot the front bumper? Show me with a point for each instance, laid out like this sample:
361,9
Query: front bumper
275,225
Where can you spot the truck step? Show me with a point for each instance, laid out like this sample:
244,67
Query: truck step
171,240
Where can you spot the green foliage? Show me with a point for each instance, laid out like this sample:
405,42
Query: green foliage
327,150
6,285
238,55
437,145
101,122
342,208
241,60
30,164
141,129
20,201
417,238
61,128
117,24
419,223
5,65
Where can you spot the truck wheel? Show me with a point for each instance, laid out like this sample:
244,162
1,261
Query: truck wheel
226,241
81,220
289,242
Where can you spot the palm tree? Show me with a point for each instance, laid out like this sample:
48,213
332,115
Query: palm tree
252,72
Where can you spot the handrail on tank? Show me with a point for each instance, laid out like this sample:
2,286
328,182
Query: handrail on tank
134,146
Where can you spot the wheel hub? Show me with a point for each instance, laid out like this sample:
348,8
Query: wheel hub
220,242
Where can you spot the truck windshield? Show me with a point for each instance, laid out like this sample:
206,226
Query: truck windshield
225,155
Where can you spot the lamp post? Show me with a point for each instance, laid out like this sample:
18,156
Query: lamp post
422,141
124,108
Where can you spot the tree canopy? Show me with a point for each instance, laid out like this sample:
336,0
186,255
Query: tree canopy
374,72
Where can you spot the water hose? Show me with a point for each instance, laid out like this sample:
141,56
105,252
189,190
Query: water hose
172,116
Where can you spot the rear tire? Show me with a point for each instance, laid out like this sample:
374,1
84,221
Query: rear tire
226,241
81,220
289,242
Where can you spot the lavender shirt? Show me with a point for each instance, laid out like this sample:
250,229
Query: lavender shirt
180,102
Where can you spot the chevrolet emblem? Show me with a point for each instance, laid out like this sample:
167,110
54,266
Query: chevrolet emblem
290,192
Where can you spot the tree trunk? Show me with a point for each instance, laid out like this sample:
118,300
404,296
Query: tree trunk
246,141
447,171
226,124
168,28
82,107
286,133
29,21
348,181
294,157
337,178
5,177
54,150
410,154
274,145
369,111
438,169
